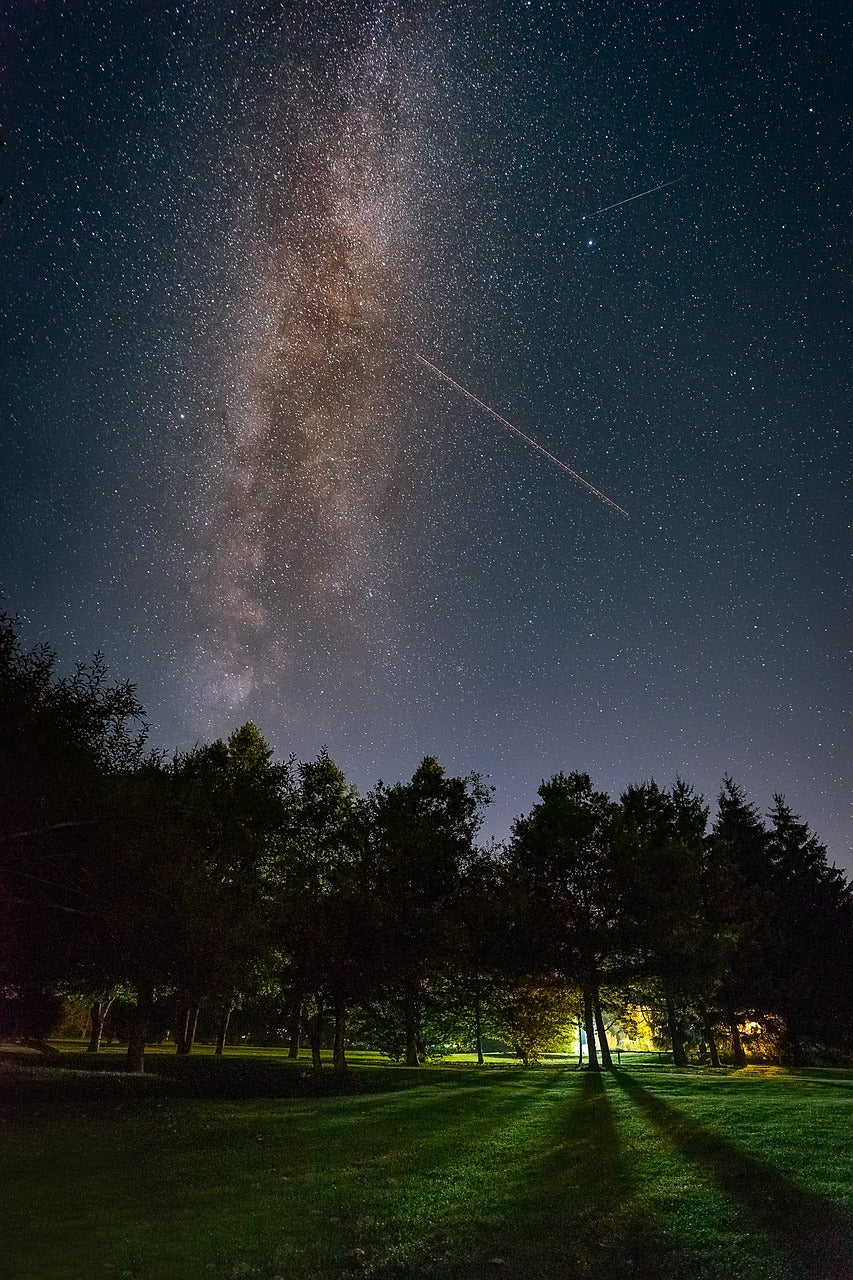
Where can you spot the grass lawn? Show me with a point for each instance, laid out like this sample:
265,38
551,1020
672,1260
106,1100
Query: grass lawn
454,1173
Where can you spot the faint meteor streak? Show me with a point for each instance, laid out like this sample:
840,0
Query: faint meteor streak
564,466
639,196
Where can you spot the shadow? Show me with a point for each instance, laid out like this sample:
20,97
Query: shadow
834,1077
582,1190
562,1210
817,1234
236,1077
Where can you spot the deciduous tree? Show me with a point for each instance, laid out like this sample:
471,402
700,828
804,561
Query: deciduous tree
564,853
420,838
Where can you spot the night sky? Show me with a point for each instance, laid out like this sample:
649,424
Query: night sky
228,232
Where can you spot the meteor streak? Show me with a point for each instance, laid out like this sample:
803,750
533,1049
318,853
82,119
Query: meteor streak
639,196
481,404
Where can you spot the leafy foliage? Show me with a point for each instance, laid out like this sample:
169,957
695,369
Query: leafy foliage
223,879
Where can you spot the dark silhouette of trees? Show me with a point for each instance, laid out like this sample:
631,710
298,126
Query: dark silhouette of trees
62,741
659,866
564,853
811,936
236,799
154,900
789,916
323,905
742,905
420,840
223,878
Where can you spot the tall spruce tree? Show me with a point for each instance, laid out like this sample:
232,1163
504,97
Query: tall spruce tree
812,937
742,908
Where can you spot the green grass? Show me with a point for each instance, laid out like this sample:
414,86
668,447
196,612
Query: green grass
455,1173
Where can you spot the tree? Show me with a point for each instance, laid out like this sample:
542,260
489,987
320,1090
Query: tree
484,955
812,937
790,917
662,920
563,852
323,907
741,907
534,1018
146,880
237,799
62,741
420,838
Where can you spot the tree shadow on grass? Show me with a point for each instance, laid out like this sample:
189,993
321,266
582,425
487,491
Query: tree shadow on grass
576,1210
817,1234
399,1177
565,1210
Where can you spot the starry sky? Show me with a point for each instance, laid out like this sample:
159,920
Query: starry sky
229,232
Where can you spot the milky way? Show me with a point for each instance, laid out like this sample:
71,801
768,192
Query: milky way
310,438
226,231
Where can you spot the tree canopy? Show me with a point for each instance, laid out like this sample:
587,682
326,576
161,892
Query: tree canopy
222,880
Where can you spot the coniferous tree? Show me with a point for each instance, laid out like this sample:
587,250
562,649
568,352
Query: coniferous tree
811,951
739,866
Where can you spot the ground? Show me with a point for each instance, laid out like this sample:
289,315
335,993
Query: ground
447,1173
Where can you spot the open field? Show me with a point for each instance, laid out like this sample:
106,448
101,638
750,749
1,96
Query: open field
447,1173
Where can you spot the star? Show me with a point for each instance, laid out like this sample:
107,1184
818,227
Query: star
250,244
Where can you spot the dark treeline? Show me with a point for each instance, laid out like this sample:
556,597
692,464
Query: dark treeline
224,890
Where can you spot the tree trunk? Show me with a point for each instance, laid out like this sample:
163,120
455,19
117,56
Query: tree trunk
606,1059
589,1027
737,1043
410,1022
295,1028
339,1061
315,1035
222,1035
98,1015
580,1042
710,1038
676,1035
138,1037
478,1030
189,1022
96,1018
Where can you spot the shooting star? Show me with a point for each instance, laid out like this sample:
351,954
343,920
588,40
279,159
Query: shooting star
639,196
534,444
